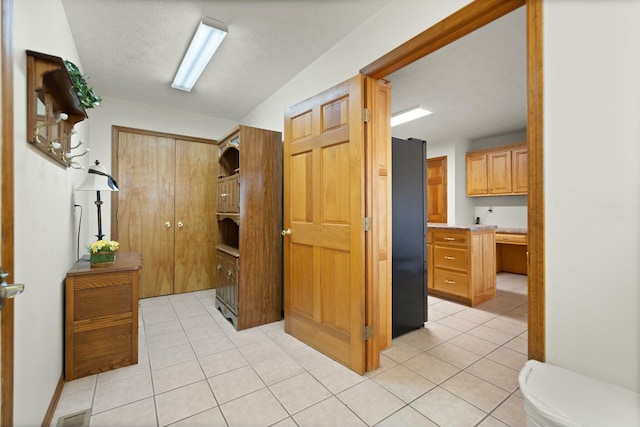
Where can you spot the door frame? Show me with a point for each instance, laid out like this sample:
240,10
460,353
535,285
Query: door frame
6,380
464,21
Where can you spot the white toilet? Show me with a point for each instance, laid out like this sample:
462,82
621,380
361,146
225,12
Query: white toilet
555,396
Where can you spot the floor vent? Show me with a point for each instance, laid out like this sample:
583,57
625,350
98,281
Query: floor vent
79,419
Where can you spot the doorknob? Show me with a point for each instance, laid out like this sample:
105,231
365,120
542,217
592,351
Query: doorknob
167,224
286,232
180,224
7,290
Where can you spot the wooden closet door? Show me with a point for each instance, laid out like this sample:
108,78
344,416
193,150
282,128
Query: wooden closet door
145,216
195,216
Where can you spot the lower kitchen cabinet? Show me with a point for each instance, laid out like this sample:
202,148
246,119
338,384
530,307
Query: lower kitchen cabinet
463,265
101,316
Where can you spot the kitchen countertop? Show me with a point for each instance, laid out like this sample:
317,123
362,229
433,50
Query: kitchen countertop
512,230
470,227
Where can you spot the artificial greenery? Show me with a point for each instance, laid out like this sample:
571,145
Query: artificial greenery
88,98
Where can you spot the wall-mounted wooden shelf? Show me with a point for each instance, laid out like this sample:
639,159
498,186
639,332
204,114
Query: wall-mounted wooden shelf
50,92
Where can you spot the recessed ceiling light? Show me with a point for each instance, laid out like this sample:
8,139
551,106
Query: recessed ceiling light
205,42
408,115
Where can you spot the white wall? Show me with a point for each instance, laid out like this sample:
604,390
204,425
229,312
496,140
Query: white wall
45,237
45,221
459,207
592,155
592,187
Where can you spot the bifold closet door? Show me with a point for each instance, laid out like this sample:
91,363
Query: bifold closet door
146,178
195,216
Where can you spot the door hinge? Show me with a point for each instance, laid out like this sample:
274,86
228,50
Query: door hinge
366,332
366,115
366,223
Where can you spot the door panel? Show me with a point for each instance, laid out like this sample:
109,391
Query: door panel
324,208
146,207
195,216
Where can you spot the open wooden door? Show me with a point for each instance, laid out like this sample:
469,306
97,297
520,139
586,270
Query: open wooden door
324,221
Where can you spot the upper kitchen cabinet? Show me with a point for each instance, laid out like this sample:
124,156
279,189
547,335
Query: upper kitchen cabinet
519,170
497,171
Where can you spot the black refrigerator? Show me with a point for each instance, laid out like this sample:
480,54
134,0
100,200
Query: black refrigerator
409,222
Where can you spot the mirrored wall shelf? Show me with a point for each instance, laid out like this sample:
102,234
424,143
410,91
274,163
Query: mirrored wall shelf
53,108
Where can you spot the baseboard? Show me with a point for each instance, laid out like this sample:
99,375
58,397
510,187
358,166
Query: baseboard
54,403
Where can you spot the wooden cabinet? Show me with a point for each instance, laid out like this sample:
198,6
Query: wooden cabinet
165,208
519,170
498,171
101,316
463,266
249,216
511,252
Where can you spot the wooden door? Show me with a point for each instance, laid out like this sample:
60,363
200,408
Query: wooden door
195,216
324,271
520,170
7,209
476,174
499,172
437,189
145,211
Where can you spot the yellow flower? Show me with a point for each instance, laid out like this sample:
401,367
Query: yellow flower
104,245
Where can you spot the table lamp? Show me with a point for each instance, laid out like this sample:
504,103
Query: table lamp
98,180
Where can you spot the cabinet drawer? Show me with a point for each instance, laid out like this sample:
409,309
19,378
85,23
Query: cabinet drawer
429,236
451,282
514,239
446,257
450,237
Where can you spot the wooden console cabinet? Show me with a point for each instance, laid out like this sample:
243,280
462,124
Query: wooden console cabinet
101,316
249,213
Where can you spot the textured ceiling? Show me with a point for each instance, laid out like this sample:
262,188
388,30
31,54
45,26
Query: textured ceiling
476,87
131,49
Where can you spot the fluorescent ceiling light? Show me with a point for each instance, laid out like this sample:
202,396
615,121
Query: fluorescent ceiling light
408,115
204,44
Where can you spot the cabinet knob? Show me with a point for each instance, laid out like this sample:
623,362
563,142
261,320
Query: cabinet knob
180,224
286,232
167,224
219,267
224,195
229,273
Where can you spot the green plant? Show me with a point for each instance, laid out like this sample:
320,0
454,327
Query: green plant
88,98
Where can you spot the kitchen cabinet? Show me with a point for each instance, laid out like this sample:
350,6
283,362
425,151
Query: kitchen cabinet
520,170
497,172
463,263
101,316
165,208
249,221
511,251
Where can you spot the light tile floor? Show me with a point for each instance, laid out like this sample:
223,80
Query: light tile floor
196,370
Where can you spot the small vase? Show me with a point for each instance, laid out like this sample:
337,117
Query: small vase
102,259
